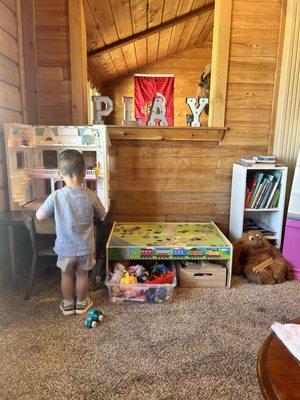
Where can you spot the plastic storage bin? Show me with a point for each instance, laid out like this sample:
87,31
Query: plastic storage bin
141,292
291,246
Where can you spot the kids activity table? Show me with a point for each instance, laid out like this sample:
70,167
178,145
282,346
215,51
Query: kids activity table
169,241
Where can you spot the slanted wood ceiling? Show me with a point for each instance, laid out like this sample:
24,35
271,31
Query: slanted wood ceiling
108,21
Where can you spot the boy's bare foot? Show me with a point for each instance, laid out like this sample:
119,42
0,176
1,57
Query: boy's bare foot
67,308
83,306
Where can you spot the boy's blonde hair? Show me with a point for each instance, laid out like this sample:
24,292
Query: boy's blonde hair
71,163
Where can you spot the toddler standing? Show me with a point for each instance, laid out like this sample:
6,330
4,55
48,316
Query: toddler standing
74,208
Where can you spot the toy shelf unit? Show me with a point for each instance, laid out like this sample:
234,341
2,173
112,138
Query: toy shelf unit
144,243
32,160
257,200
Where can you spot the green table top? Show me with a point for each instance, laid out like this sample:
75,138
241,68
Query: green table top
166,235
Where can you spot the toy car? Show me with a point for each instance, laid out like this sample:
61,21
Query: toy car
93,317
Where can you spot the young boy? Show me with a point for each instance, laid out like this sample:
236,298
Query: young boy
74,208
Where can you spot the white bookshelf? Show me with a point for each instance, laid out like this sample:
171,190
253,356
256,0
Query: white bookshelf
273,217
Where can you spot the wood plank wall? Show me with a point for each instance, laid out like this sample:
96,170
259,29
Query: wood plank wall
53,61
192,181
11,107
186,66
10,87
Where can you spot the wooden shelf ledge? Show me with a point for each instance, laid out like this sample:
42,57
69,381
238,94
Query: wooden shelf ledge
170,133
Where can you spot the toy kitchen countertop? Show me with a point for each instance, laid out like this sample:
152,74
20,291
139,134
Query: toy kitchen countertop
167,241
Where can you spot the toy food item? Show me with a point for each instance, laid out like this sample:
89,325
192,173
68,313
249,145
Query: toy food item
93,317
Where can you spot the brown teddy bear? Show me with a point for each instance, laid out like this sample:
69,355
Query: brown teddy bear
258,260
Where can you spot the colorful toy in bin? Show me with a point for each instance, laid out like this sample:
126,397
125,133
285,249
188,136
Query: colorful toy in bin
93,317
128,278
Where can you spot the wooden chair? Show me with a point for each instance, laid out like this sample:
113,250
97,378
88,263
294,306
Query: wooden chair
42,236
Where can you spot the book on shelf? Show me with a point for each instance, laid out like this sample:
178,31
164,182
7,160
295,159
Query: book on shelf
257,181
277,178
262,190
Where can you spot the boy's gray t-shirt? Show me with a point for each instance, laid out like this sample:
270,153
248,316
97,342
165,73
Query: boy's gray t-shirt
74,211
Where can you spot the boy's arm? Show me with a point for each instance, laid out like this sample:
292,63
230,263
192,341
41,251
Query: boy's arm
99,209
46,210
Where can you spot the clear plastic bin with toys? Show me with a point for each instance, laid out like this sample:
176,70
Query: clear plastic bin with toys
142,281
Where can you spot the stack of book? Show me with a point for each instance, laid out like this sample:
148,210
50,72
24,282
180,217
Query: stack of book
251,160
263,190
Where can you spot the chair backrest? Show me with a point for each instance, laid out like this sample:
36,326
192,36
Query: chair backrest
38,229
44,227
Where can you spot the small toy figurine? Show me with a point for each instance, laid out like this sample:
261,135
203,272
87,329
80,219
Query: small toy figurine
128,278
118,273
93,317
24,141
97,169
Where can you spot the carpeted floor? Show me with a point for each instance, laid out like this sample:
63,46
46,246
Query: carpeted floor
204,345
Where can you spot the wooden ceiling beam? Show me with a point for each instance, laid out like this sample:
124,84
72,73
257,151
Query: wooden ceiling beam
155,29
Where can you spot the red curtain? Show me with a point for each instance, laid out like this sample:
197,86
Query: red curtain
146,87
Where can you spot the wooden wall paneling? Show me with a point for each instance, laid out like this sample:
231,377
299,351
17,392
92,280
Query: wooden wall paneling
207,29
78,55
141,52
129,53
187,67
163,44
94,35
170,11
51,30
155,13
12,107
198,28
21,65
8,46
10,97
9,71
139,15
7,20
11,4
104,18
253,43
139,24
152,47
122,17
119,63
248,114
30,61
220,56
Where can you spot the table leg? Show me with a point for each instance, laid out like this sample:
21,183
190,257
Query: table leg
12,256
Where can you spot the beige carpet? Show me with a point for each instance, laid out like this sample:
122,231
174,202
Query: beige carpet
202,346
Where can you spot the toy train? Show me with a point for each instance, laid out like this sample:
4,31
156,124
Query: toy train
194,252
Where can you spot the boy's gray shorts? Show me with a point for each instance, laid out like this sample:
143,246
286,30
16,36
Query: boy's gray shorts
67,264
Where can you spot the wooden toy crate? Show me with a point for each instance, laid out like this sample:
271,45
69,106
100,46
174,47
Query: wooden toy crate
202,275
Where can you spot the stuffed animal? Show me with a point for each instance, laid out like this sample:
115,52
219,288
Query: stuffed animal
258,260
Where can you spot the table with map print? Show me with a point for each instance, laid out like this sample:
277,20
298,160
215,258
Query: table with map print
169,241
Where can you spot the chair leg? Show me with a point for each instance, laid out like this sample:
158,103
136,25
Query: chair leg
94,277
31,276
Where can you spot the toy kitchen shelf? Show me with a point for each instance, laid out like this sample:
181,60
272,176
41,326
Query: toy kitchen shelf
168,241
